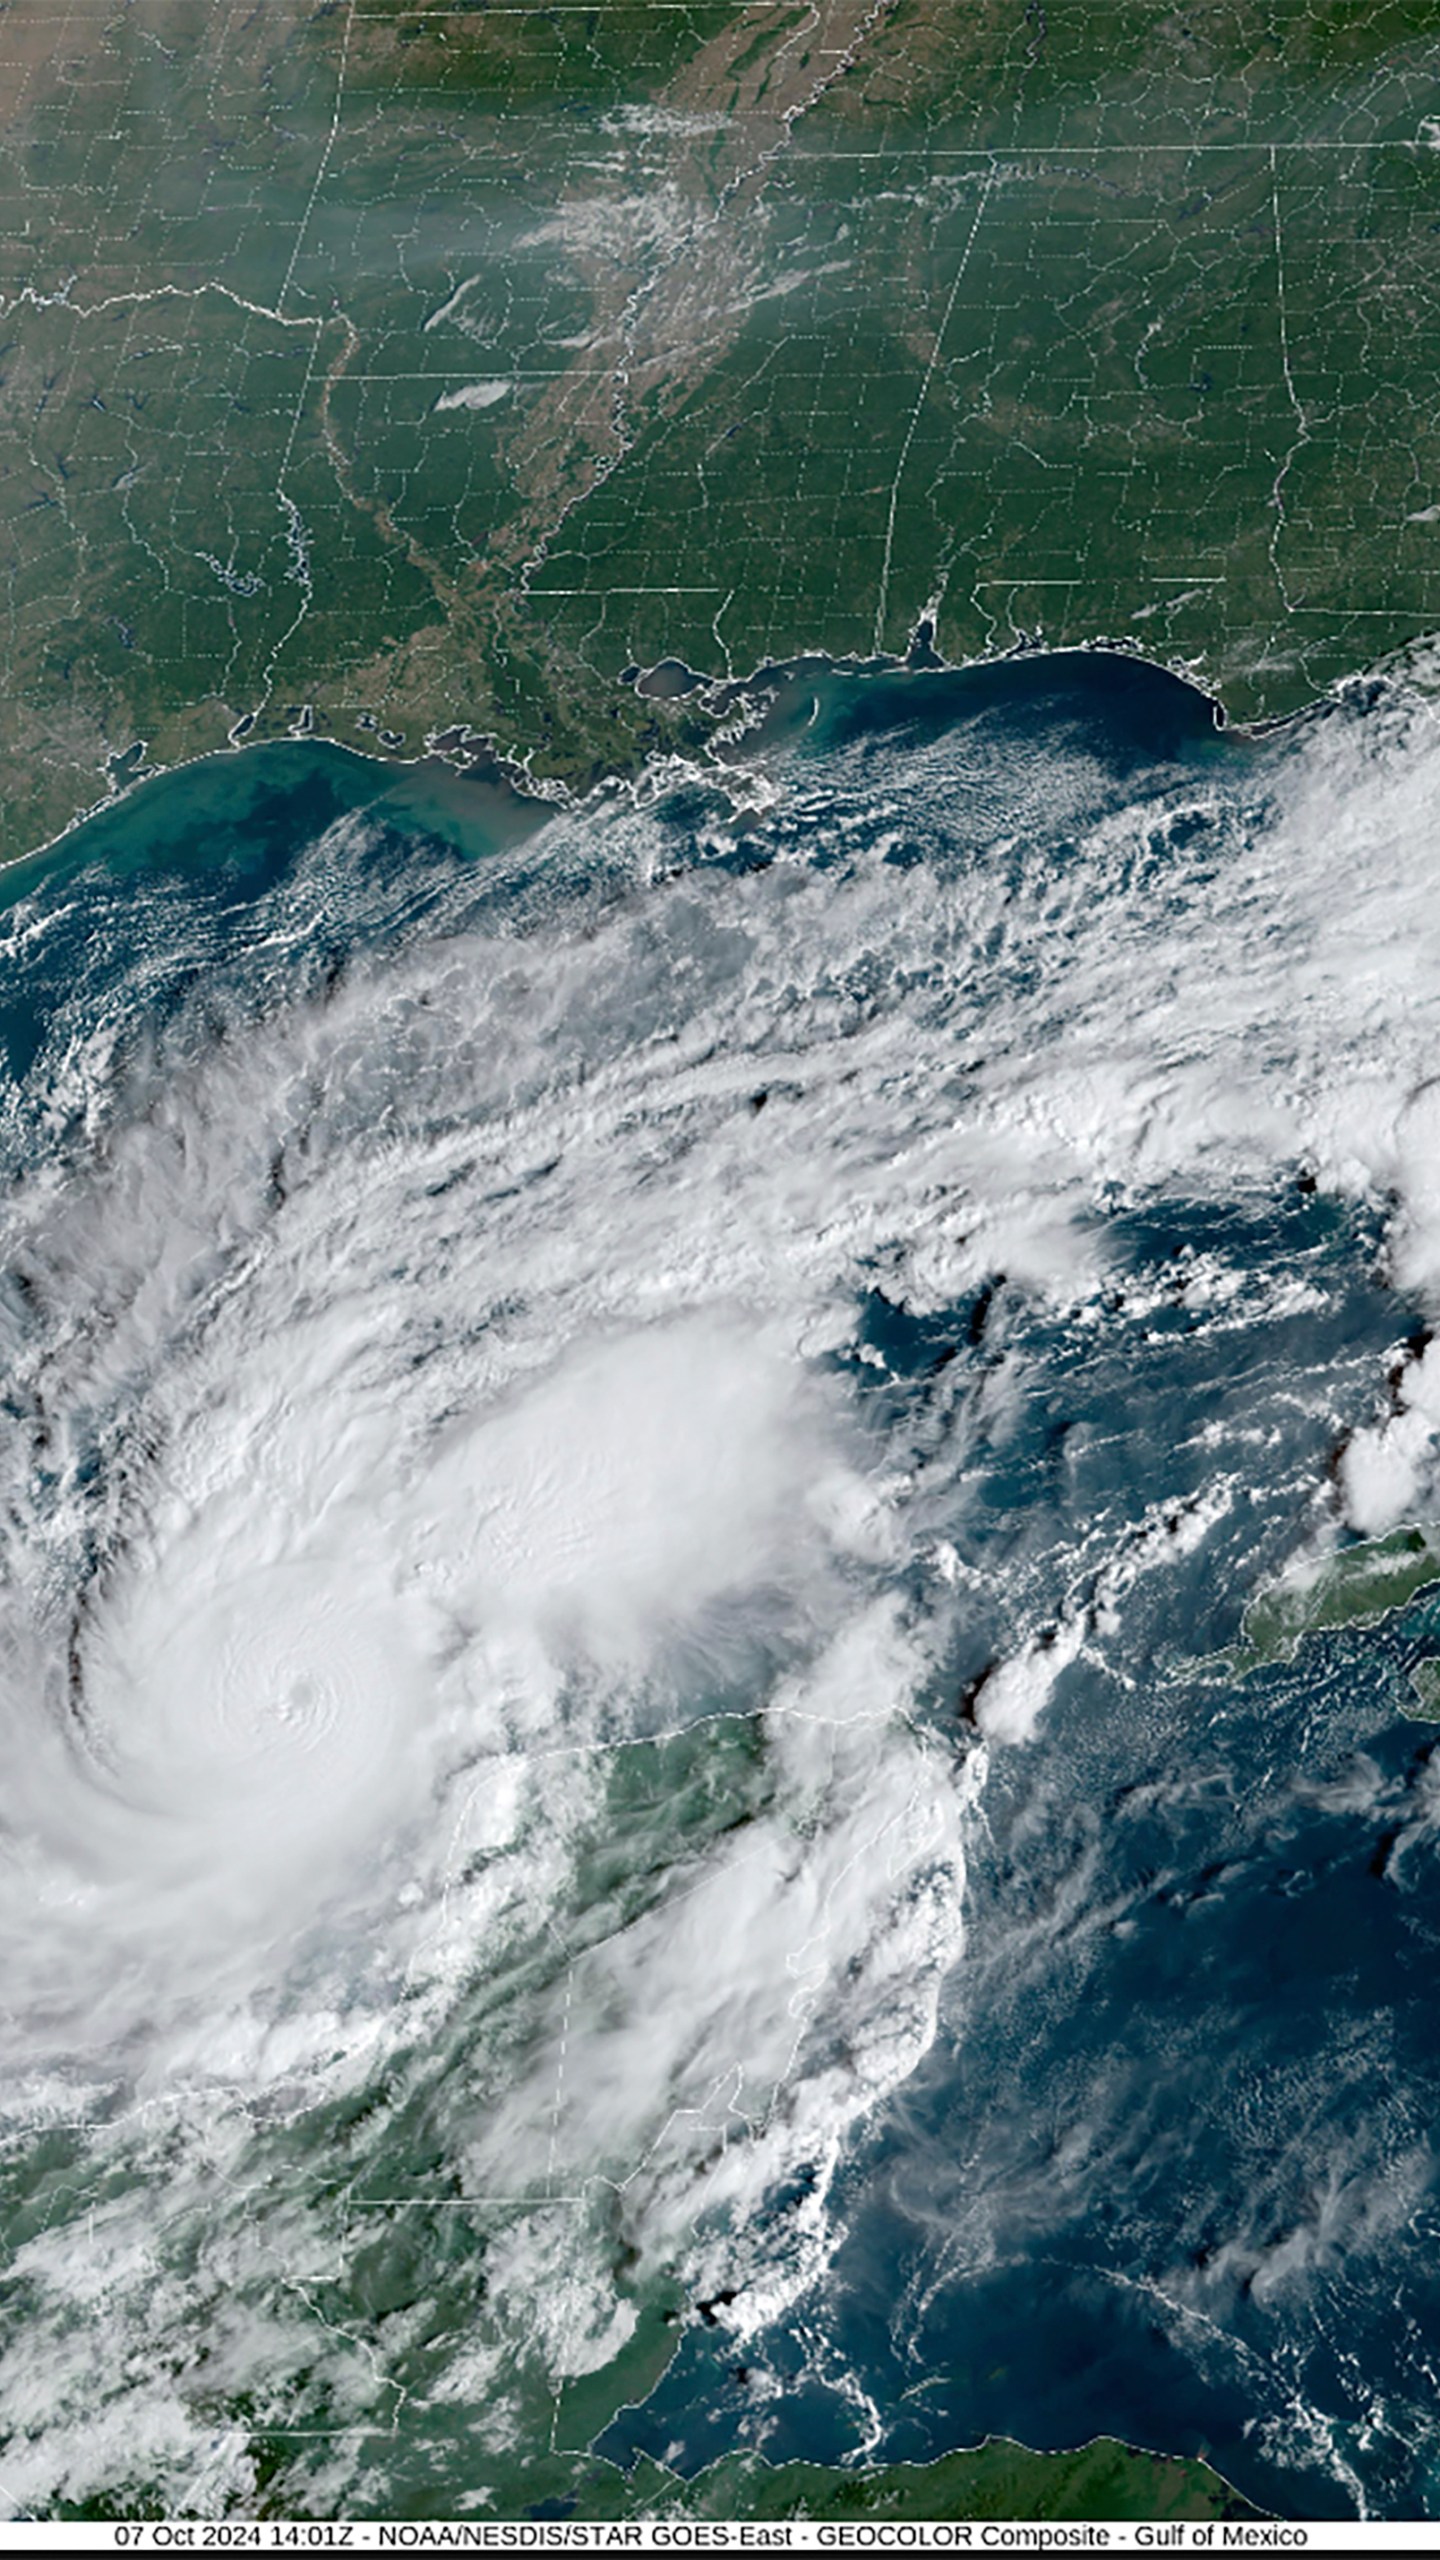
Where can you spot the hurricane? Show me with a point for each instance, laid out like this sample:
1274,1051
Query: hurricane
630,1436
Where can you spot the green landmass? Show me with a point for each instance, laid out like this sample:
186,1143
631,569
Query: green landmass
388,2313
994,2479
1356,1588
399,373
1104,2480
398,2358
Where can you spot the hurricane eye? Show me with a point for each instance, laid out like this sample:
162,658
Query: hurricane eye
643,1738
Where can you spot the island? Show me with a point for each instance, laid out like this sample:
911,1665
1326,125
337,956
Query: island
1356,1587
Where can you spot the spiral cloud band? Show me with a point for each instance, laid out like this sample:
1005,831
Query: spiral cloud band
485,1603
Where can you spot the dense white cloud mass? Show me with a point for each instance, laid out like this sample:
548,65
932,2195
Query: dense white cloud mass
428,1393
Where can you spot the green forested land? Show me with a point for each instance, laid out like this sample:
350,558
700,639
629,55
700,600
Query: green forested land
423,367
1104,2480
1355,1588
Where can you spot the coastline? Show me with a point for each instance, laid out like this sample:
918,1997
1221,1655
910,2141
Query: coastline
710,713
860,693
734,710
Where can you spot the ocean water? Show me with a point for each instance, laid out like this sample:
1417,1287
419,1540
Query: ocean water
627,1440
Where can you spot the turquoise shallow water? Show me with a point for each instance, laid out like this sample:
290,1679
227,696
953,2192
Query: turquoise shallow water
621,1434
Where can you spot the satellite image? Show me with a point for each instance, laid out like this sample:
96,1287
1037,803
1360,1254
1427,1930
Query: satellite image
720,1261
